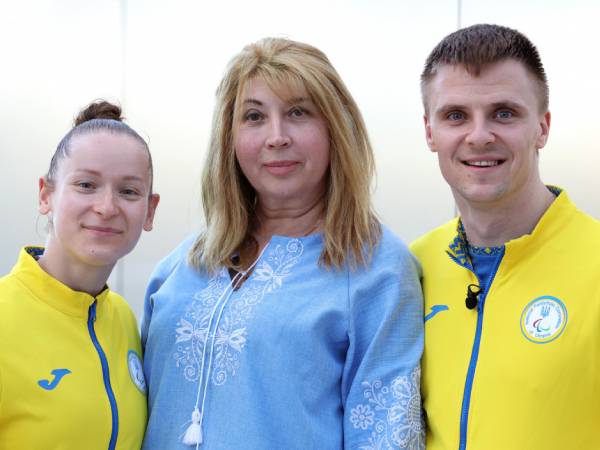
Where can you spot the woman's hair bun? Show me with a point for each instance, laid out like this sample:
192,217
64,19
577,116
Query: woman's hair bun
99,109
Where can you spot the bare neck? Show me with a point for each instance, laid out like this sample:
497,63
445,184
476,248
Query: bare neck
293,221
494,225
79,277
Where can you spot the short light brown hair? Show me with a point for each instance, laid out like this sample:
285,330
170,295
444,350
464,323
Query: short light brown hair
350,228
477,46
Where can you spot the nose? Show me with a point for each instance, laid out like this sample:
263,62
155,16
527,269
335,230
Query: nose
278,136
106,204
480,133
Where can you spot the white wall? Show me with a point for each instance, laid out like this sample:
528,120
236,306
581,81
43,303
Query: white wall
163,61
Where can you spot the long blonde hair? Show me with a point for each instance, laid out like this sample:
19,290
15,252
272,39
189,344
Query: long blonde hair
350,227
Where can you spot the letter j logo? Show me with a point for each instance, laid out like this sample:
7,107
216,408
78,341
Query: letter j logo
58,375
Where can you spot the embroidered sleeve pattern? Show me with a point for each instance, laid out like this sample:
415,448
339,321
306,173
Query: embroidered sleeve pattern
382,408
391,414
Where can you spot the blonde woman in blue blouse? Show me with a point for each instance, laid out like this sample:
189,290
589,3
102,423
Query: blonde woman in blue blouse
294,320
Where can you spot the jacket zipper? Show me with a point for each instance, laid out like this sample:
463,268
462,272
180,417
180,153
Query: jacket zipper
106,376
466,403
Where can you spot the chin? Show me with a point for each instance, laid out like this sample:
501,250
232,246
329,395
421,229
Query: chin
481,194
103,257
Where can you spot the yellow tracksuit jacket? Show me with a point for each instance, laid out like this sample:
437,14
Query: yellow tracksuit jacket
522,369
70,372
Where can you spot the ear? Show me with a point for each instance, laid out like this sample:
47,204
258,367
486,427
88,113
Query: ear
45,192
152,204
544,130
428,135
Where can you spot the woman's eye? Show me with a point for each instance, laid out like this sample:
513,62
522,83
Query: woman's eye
130,192
252,116
85,185
297,112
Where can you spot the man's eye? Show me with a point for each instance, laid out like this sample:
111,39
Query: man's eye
504,114
455,116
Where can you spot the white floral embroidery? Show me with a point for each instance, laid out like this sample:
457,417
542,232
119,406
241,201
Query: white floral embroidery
231,334
396,416
362,417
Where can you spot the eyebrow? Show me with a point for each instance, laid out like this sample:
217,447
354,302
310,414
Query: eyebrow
291,101
253,101
296,100
496,105
507,104
448,108
98,174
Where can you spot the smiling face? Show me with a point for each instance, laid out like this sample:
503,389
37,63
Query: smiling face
282,146
486,131
99,201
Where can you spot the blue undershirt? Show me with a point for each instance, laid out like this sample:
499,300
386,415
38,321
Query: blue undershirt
484,261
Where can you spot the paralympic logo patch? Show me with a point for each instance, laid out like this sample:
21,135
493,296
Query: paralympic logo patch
136,371
544,319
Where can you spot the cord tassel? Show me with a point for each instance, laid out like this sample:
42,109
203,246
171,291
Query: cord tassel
193,435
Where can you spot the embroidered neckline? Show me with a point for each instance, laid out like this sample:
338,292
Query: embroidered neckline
485,251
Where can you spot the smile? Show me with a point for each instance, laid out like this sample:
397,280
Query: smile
483,163
104,231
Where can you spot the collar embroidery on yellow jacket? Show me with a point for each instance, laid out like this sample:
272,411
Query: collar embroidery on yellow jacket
522,369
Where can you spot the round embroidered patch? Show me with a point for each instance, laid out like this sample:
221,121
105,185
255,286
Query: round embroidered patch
136,371
544,319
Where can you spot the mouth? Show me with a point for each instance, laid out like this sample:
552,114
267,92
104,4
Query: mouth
281,163
483,163
281,167
103,231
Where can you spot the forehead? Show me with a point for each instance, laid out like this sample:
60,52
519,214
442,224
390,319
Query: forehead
502,81
107,153
286,89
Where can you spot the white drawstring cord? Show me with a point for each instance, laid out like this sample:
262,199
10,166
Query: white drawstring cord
193,434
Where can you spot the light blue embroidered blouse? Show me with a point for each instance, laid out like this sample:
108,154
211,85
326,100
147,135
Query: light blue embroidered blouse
303,357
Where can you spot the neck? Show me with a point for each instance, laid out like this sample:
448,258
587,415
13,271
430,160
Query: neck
292,221
494,225
79,277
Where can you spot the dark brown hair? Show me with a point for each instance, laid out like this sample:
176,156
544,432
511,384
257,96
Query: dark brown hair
476,46
99,115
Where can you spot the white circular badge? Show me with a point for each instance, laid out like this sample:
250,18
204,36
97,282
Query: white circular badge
136,371
543,319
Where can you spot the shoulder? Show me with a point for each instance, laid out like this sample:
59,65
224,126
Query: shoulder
390,258
390,248
589,225
571,227
169,265
178,256
121,306
435,240
10,283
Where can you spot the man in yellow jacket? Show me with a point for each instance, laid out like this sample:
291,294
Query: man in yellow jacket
512,286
